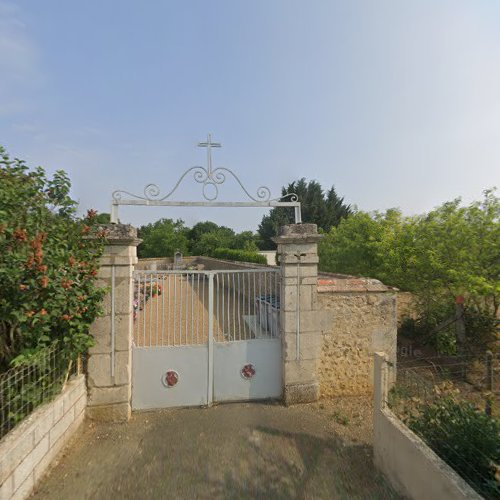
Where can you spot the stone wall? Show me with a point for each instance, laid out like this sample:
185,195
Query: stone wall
27,451
207,263
162,263
358,317
212,264
270,256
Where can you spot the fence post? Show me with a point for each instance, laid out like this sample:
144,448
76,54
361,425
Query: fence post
110,359
301,335
489,370
489,382
460,333
381,381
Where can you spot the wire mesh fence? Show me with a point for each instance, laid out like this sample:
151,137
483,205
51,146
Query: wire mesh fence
479,369
456,422
28,385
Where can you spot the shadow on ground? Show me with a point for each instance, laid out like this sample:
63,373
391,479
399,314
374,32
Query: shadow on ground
228,451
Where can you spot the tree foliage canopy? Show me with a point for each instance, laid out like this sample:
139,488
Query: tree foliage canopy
324,209
164,237
452,250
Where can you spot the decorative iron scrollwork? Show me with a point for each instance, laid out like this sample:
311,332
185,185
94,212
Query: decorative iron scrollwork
207,177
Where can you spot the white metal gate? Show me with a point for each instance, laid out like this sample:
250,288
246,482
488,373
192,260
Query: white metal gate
205,336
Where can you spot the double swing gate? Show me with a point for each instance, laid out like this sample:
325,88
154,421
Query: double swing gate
205,336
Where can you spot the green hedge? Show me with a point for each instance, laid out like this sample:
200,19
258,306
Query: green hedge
239,255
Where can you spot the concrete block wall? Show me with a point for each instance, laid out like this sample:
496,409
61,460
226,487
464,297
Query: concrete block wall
28,450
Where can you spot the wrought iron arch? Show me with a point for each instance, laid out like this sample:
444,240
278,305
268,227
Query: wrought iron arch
210,179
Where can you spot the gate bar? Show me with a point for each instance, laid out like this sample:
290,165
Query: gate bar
113,312
210,338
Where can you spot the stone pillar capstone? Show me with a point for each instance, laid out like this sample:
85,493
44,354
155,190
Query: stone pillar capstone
109,371
301,335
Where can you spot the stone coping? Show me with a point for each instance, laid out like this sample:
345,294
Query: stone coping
330,283
120,234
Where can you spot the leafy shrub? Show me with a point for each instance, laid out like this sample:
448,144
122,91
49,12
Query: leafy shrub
48,264
239,255
467,439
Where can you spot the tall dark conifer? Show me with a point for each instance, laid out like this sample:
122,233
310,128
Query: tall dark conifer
324,209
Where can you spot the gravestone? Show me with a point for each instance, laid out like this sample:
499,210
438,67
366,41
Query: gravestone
178,258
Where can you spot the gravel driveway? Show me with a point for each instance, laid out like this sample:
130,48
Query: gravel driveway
241,450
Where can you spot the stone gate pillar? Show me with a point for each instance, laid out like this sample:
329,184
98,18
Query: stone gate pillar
301,335
110,360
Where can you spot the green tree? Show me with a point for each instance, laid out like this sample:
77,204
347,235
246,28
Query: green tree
450,251
198,230
207,243
48,264
103,218
353,247
246,240
335,209
325,210
269,226
163,238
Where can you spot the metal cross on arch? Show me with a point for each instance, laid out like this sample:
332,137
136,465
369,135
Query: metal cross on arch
210,179
209,145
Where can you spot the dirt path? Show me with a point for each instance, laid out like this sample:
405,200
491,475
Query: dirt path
254,450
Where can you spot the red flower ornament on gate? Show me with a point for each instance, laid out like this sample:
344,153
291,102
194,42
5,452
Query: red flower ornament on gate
171,378
248,371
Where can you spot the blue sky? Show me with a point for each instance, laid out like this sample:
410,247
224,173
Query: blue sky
395,103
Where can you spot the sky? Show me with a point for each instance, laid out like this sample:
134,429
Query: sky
396,104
